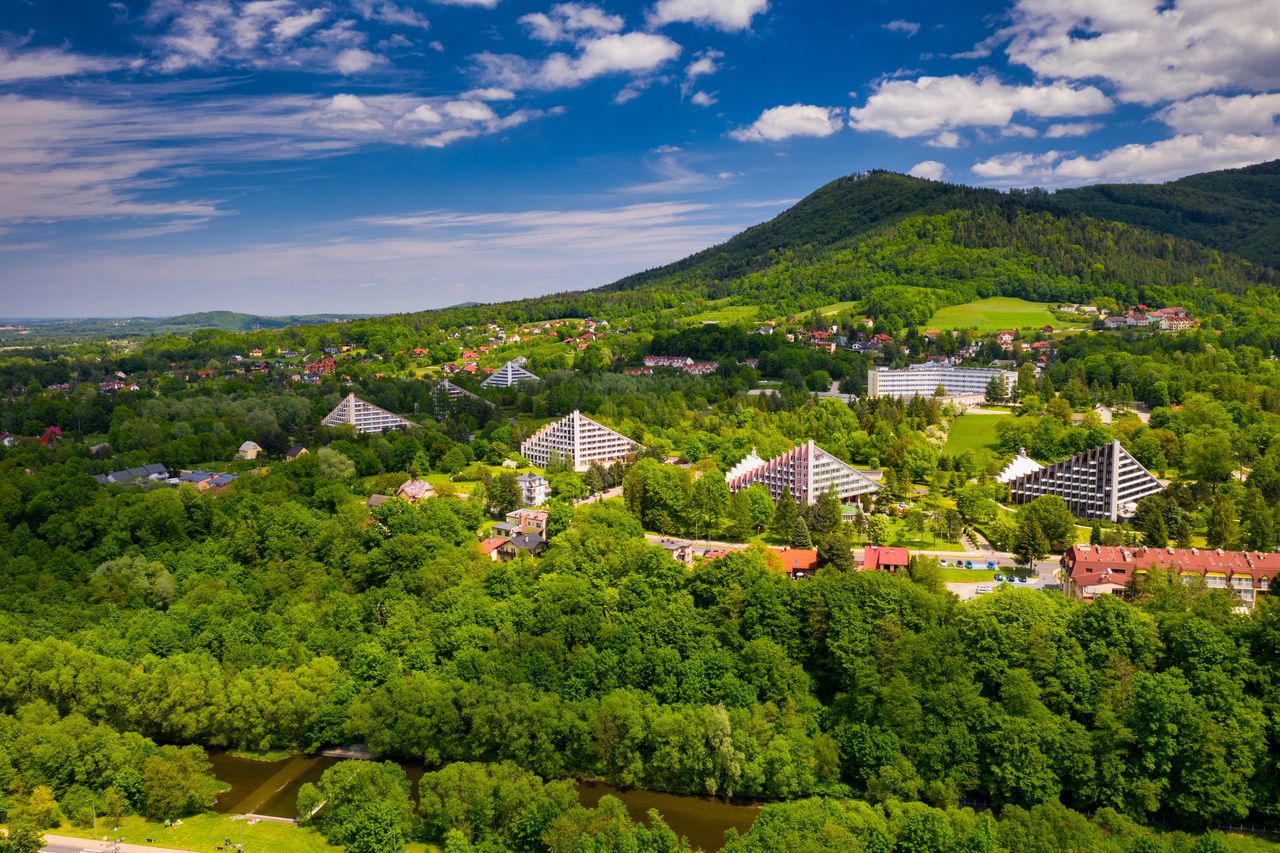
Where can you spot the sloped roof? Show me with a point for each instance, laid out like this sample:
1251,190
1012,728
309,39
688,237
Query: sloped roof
1018,466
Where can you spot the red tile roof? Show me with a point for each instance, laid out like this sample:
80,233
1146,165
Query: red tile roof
488,546
1086,560
799,559
884,557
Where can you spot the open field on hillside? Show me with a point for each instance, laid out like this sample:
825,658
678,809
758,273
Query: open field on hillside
993,314
972,432
720,311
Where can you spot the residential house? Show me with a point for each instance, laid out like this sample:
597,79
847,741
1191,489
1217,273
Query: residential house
415,490
249,450
295,452
885,558
376,501
489,547
527,543
799,562
681,552
534,489
526,520
152,473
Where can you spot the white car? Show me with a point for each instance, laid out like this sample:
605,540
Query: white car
982,587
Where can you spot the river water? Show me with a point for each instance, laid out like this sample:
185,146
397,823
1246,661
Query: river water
271,788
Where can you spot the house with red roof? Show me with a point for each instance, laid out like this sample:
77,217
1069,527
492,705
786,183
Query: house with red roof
799,562
885,558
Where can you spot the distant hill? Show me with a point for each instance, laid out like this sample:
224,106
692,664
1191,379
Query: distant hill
1236,210
54,330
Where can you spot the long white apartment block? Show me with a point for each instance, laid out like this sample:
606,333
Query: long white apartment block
365,417
807,471
580,440
923,380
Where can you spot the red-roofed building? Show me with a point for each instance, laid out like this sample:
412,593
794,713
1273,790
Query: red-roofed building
1093,570
885,558
324,366
489,547
799,562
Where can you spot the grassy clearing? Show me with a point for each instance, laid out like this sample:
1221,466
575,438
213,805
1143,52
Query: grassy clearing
207,831
995,313
968,576
972,432
899,537
725,315
836,308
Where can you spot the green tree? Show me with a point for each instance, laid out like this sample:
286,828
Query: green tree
800,534
1054,520
878,529
333,465
785,516
708,501
1221,529
1029,543
1259,522
504,493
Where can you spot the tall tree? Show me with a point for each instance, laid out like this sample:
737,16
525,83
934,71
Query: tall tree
785,515
1221,528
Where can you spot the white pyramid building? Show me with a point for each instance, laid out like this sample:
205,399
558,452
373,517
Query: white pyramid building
365,417
580,440
807,471
1102,482
511,373
1020,465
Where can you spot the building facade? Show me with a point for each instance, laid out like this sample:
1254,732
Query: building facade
365,417
923,380
1093,570
578,439
1102,482
533,489
806,471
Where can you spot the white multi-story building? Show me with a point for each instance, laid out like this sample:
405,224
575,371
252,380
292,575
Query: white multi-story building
511,373
1102,482
923,380
365,417
807,471
533,489
580,440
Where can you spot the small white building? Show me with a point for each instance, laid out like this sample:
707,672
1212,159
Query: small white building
249,450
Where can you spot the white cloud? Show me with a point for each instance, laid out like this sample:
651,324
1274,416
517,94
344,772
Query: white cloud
571,21
1013,165
628,53
123,153
931,169
904,108
1150,51
702,99
1164,160
780,123
490,94
1066,129
43,63
704,64
907,28
481,4
390,13
1019,130
730,15
1170,158
353,60
294,25
1218,114
946,139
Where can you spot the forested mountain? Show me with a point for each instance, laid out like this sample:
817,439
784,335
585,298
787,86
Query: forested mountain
1236,210
124,327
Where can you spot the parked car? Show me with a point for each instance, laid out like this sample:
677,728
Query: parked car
1000,577
968,564
991,564
944,563
982,587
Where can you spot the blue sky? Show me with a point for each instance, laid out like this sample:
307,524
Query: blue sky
298,156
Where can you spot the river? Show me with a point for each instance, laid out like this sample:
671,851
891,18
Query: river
271,788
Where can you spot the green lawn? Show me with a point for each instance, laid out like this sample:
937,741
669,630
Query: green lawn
836,308
968,576
995,313
206,831
972,432
726,315
900,538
